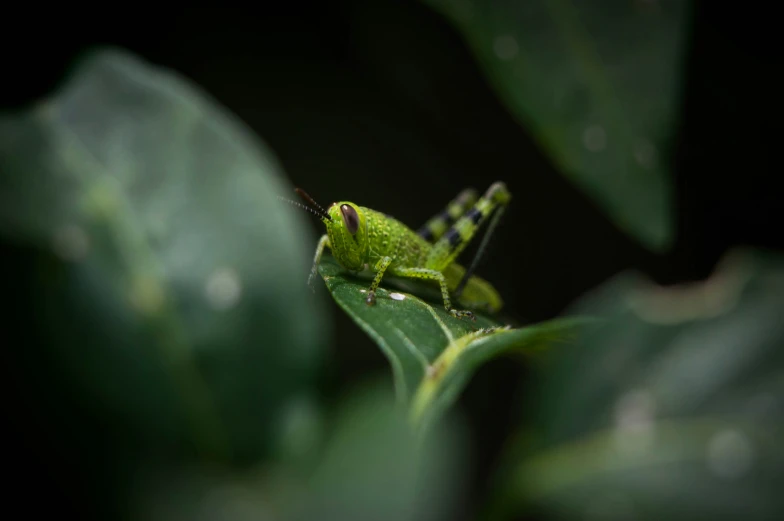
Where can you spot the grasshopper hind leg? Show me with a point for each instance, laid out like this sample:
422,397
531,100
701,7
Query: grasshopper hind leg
446,249
437,225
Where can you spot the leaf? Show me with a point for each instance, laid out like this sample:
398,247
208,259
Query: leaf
673,408
167,281
371,466
375,467
598,85
432,354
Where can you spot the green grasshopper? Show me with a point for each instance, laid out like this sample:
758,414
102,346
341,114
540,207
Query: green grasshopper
361,238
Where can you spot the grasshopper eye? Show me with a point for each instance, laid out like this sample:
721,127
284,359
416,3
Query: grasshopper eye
351,218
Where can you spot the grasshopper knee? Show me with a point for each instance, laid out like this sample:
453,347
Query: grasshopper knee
498,193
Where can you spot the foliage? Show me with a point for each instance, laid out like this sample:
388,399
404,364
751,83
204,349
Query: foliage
172,335
433,354
170,303
166,279
670,408
598,85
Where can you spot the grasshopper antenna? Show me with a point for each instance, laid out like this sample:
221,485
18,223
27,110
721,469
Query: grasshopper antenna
322,214
309,199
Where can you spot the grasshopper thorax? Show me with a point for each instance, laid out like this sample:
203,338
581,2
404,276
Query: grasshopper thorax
348,237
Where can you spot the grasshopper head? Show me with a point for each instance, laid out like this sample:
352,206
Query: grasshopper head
347,230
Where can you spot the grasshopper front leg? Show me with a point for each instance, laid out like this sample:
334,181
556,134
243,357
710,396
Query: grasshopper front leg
323,242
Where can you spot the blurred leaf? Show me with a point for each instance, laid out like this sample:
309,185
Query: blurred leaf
372,466
672,409
167,282
598,84
375,467
432,354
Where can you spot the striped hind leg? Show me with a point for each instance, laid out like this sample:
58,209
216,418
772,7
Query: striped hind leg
437,225
455,239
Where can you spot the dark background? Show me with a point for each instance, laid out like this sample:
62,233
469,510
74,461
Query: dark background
381,103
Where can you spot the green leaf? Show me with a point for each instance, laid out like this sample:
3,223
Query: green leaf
598,85
375,467
168,283
673,408
432,354
371,466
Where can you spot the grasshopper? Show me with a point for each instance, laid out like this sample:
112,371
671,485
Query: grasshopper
362,238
